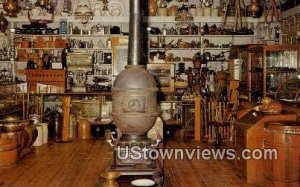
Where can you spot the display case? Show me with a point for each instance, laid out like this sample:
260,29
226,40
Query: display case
266,68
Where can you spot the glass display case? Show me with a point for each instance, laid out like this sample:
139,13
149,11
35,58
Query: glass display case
268,67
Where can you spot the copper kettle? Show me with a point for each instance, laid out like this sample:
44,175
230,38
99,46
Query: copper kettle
11,7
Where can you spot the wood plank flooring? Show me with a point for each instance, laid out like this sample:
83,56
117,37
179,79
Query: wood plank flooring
80,164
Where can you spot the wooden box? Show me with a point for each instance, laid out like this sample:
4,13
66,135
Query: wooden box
48,77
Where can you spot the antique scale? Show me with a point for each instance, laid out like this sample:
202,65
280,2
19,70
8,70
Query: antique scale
134,106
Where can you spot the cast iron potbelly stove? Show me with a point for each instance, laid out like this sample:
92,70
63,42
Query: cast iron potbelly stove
134,106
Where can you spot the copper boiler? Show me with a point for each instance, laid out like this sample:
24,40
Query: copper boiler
134,91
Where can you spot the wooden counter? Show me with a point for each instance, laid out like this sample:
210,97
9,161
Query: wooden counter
249,133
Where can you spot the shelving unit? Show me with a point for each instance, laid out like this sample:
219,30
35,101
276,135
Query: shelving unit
267,67
188,53
155,21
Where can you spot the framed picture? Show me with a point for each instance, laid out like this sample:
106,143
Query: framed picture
164,76
120,54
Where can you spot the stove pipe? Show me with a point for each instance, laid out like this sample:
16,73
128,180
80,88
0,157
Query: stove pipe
134,91
135,45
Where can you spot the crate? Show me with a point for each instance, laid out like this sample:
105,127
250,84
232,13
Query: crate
48,77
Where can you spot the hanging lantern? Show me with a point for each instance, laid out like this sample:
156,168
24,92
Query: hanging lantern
11,7
3,23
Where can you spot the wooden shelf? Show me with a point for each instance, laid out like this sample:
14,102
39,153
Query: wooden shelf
208,35
46,48
96,19
203,19
233,35
67,35
92,49
161,35
175,48
215,48
84,49
205,48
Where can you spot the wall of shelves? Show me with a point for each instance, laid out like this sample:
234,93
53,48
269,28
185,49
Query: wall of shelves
152,21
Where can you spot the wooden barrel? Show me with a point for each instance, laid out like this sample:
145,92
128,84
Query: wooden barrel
285,138
8,149
13,131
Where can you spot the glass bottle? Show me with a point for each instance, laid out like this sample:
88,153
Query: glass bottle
164,30
108,43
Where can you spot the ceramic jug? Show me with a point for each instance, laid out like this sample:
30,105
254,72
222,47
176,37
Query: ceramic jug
152,7
173,10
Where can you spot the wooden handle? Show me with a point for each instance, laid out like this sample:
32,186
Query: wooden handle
197,119
66,117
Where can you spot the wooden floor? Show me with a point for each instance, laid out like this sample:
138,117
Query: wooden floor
80,163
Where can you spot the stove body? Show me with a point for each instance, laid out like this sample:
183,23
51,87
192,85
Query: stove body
135,108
